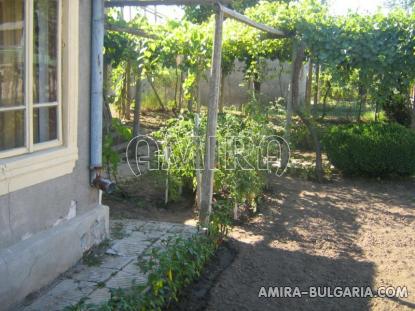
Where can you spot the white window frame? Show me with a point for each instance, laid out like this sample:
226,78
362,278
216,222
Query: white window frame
37,163
29,104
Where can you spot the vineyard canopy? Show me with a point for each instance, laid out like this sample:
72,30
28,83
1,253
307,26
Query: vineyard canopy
222,11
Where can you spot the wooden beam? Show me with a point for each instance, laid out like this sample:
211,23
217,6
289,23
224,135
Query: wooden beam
210,144
243,19
122,3
129,30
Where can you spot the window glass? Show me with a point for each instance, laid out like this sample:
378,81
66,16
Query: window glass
45,69
12,55
45,124
12,129
34,57
45,53
12,72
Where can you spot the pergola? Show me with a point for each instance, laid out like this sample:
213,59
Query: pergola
221,12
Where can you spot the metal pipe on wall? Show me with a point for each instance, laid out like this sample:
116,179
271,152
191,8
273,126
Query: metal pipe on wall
97,87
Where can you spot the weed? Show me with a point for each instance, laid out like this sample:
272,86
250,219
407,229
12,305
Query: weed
117,231
93,257
101,285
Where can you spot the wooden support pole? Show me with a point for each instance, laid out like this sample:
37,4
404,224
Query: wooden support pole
243,19
131,31
210,144
297,65
317,93
309,87
123,3
289,114
138,98
298,59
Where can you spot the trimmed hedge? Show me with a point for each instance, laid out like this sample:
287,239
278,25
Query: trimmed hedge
374,149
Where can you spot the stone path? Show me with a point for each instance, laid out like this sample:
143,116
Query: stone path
115,268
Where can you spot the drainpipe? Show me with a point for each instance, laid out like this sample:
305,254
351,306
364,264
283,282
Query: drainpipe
97,97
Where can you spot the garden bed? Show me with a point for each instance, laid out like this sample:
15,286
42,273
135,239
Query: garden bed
196,296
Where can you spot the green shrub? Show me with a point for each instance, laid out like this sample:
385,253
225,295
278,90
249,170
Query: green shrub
111,157
301,139
170,269
241,185
397,108
374,149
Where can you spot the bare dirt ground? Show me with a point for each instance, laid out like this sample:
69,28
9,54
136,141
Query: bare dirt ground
343,233
144,199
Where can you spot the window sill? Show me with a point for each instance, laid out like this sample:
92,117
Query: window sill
28,170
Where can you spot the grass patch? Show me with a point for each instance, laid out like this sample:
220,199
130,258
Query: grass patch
117,231
94,257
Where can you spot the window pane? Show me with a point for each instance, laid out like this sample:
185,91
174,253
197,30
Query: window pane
12,43
12,129
45,58
45,124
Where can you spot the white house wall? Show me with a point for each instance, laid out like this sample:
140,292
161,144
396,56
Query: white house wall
62,209
273,87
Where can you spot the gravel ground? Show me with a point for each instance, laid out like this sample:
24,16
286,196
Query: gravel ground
343,233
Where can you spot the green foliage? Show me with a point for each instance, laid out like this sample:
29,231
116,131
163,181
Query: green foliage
201,13
376,149
198,13
120,46
300,138
111,157
370,56
365,56
398,109
371,117
169,271
129,58
175,268
221,219
237,176
178,143
407,5
181,262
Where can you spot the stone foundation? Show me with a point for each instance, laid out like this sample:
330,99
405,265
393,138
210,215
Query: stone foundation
29,265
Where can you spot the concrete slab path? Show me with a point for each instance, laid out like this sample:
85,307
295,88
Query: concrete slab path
115,268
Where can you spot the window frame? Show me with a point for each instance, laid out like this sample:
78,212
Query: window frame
28,169
29,106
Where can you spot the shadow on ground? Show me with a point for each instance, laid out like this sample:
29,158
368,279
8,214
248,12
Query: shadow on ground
311,235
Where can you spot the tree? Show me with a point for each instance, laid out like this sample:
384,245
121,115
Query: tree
201,13
407,5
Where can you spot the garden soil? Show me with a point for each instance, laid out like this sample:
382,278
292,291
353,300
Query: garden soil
345,233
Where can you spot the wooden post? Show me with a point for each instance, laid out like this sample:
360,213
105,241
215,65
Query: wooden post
309,87
210,144
127,114
107,88
289,115
298,58
413,107
222,93
131,31
317,93
153,87
124,3
198,160
137,108
275,33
